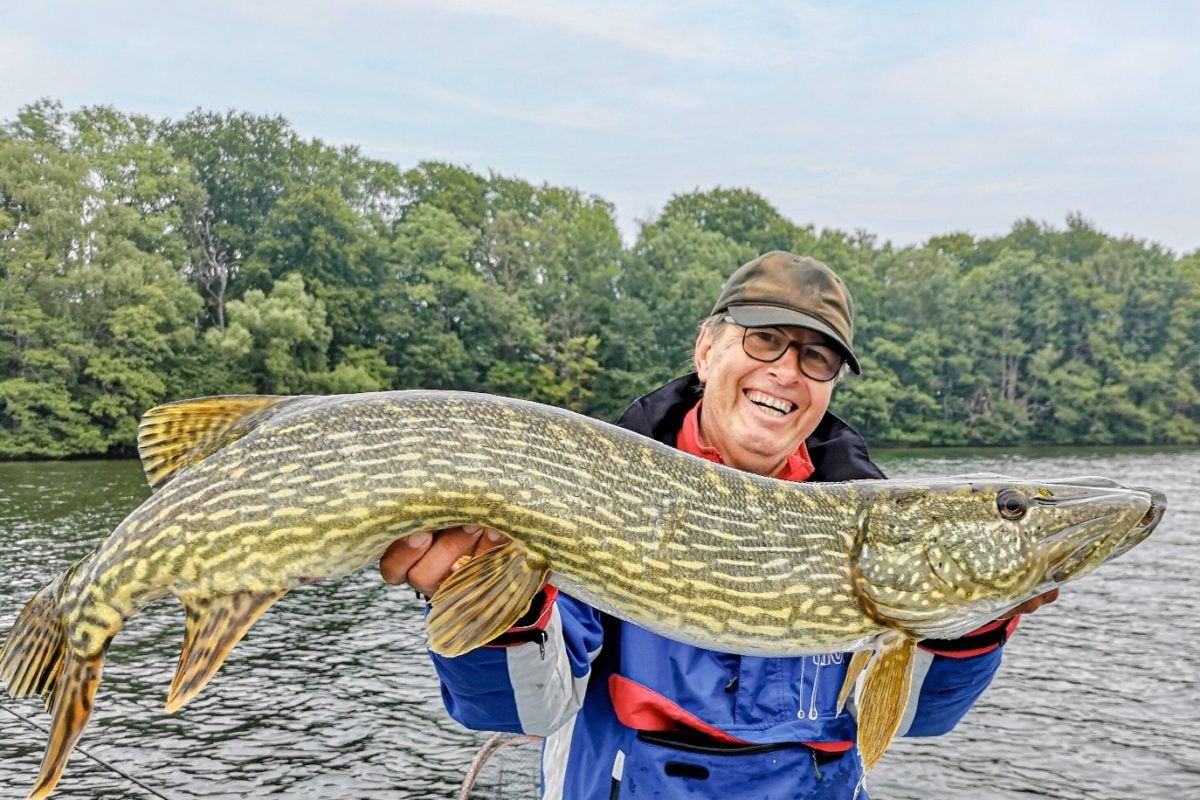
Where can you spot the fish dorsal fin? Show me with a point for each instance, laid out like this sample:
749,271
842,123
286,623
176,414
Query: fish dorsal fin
212,627
483,599
174,436
884,695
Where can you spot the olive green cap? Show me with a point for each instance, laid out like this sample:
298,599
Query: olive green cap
779,288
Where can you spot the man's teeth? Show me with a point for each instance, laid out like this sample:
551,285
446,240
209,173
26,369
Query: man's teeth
770,403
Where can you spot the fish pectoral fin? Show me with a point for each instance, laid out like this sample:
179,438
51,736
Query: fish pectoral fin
857,662
483,599
174,436
70,710
884,695
212,627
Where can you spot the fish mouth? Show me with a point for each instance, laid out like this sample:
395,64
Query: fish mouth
1131,514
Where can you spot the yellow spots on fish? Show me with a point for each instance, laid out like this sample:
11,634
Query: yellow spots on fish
286,468
660,566
413,474
621,572
289,511
632,500
765,631
280,494
348,477
620,543
404,491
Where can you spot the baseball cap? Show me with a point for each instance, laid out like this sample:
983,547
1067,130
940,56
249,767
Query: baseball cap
780,288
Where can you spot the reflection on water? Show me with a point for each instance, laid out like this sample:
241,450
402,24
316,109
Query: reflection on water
331,694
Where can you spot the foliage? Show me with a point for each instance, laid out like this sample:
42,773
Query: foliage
145,260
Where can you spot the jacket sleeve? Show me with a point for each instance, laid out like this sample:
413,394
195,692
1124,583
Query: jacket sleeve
950,675
533,677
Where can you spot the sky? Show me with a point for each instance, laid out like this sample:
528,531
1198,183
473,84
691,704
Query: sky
903,119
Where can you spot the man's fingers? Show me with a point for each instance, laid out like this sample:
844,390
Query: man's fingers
402,554
427,574
491,538
423,559
1033,604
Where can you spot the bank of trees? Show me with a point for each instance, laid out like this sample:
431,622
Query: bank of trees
144,260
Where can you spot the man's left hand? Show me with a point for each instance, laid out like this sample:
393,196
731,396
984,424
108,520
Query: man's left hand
1032,604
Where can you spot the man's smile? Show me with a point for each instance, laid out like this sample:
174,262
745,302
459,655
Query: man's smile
772,405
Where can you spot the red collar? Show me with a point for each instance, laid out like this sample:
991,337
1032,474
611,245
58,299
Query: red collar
797,467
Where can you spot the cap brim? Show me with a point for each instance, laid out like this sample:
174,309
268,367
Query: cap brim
772,316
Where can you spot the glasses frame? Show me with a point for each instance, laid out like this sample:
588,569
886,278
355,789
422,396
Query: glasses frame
799,359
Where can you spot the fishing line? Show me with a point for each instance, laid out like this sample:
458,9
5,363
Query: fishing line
99,761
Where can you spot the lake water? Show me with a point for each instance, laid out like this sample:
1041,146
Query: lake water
331,694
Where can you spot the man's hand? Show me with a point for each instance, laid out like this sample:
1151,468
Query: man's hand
1032,604
426,558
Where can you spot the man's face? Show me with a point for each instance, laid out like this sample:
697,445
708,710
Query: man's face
756,413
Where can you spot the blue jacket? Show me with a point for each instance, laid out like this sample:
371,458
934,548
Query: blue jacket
629,714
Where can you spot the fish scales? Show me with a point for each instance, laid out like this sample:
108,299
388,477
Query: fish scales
258,495
233,519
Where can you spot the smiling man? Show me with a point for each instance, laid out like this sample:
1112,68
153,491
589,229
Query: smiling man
627,713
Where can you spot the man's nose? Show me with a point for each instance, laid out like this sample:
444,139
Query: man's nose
787,366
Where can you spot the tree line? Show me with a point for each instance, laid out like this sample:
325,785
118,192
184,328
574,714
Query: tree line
146,260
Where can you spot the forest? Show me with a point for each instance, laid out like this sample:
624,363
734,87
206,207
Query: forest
146,260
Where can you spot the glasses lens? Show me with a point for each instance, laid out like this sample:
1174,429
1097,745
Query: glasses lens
764,344
818,361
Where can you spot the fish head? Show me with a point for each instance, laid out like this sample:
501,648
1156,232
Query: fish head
941,558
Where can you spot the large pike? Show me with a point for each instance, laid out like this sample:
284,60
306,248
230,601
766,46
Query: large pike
257,495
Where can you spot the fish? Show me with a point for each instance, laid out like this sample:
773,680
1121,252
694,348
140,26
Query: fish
256,495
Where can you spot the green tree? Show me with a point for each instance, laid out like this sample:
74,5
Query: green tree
94,319
275,343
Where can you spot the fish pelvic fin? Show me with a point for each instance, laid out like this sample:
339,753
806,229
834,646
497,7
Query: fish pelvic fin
212,627
174,436
70,710
857,662
483,599
884,695
32,656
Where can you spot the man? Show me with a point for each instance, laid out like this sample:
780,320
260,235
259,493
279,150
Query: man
628,713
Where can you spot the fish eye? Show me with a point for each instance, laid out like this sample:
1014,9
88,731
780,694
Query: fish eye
1011,503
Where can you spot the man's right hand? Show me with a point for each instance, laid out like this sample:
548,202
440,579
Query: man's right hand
426,558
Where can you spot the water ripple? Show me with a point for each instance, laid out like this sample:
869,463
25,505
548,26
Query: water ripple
332,694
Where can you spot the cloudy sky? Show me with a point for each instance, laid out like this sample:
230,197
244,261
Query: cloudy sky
905,119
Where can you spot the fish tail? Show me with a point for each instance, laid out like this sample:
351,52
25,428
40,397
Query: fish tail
71,709
32,656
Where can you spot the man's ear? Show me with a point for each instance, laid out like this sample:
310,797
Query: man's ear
704,343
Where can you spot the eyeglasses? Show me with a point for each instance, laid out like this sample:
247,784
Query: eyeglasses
818,361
